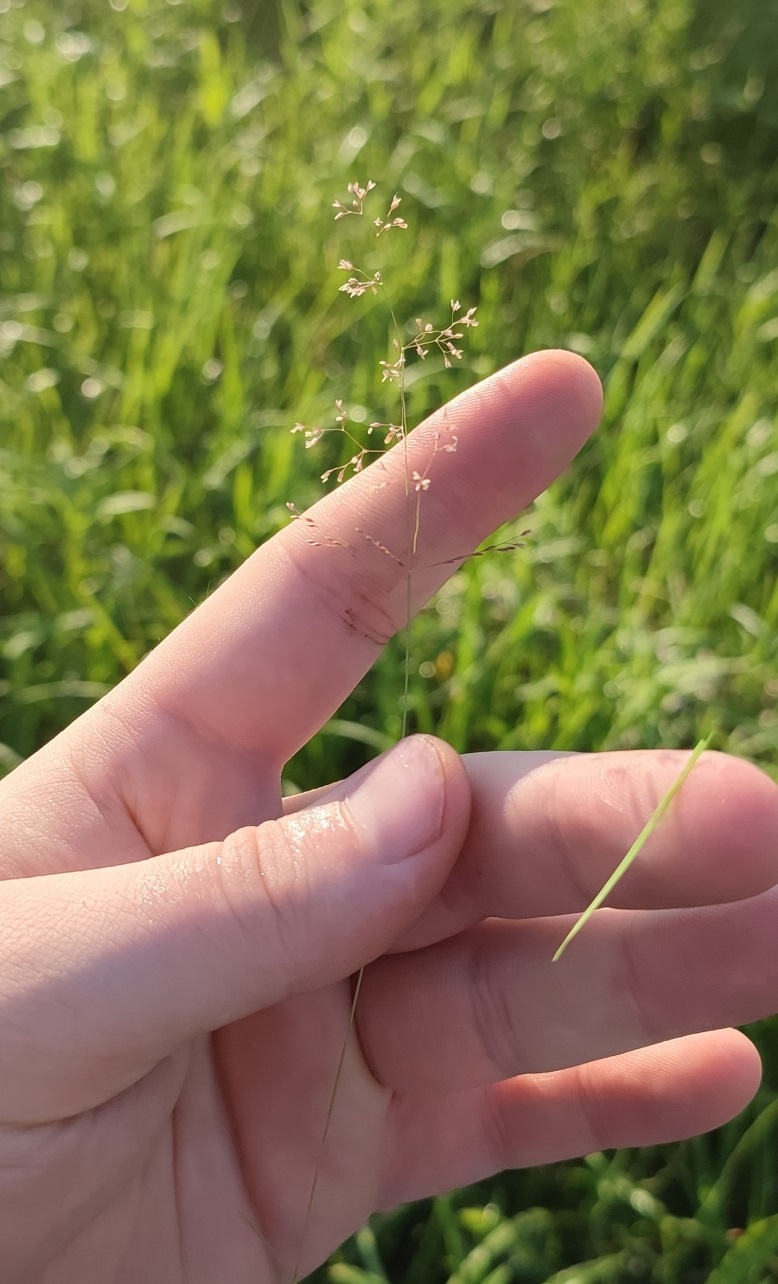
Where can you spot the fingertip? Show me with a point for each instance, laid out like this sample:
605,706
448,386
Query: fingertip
717,1073
567,376
406,801
724,821
671,1090
740,1069
583,381
739,803
716,843
540,410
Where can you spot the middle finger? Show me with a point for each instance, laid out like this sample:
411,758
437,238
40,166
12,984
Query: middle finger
548,829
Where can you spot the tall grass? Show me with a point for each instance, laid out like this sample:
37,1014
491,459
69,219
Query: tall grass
595,176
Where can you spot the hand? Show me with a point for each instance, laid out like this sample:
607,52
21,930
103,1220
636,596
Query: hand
174,958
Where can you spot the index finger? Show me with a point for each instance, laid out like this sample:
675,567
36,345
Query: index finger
263,663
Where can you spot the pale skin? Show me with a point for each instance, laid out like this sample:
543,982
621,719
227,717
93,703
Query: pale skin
174,994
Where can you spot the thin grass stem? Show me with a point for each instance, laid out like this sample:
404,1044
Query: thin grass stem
413,539
327,1122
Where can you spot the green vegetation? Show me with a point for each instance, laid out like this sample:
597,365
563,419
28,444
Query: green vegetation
598,176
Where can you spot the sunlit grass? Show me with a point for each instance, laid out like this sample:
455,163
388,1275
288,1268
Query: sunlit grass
594,176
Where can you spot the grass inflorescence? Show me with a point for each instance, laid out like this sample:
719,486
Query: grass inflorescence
424,339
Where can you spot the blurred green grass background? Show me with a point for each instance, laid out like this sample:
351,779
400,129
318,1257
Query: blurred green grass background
596,176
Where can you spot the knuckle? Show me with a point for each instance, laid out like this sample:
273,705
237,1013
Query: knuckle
636,981
492,1016
264,885
497,1129
594,1107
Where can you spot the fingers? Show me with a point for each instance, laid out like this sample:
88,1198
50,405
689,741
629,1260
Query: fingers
490,1004
104,972
644,1098
265,661
547,830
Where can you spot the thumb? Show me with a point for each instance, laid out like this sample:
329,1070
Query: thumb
103,972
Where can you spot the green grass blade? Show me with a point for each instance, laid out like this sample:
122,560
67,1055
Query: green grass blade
634,851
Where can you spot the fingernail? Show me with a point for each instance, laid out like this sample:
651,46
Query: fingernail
399,804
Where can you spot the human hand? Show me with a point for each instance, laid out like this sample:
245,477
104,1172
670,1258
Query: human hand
174,960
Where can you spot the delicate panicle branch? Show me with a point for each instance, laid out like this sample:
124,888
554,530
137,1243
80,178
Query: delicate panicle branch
503,546
386,224
425,338
358,195
359,284
323,541
357,461
394,432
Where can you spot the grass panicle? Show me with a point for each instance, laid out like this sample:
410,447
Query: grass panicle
425,338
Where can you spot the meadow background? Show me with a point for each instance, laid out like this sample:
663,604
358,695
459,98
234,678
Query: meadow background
592,175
